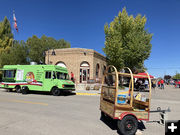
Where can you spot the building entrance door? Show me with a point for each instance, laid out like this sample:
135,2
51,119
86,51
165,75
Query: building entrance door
84,75
84,72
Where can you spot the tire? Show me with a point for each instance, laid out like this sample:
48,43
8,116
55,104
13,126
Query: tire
55,91
25,90
128,125
18,89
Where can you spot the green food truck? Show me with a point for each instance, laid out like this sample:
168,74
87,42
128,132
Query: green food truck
25,78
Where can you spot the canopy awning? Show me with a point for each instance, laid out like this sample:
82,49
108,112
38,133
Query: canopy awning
142,75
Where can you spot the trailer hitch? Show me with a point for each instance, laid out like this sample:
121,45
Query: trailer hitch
163,115
159,110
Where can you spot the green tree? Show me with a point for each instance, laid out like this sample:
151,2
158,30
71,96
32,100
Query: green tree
17,54
177,76
38,46
127,43
35,49
6,38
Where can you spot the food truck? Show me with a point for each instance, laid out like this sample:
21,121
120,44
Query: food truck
119,101
25,78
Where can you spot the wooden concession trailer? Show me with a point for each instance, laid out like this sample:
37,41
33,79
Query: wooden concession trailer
120,102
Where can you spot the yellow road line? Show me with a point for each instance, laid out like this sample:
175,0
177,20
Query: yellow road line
29,102
125,92
87,94
26,102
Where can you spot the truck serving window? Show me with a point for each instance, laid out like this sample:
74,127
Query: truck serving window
62,76
48,75
54,75
9,73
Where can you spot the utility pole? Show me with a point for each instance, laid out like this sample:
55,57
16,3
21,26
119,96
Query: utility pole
48,56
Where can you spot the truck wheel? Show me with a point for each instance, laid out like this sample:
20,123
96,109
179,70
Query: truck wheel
56,91
128,125
18,89
25,90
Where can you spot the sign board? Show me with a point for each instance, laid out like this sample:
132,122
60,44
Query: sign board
19,76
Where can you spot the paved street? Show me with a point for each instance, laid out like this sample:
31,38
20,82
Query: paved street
43,114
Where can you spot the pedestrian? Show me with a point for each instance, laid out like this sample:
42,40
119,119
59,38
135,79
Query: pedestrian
146,84
162,84
175,84
153,84
159,84
72,77
179,83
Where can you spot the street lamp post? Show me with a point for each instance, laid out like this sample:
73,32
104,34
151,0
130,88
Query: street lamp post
53,54
48,56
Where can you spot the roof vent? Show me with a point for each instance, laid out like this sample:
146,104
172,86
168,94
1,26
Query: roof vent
33,63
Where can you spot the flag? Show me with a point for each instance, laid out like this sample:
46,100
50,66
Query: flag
15,21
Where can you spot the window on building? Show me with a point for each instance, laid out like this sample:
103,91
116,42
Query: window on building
48,75
80,76
62,64
97,71
104,70
88,74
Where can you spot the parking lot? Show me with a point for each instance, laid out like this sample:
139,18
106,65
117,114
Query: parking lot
43,114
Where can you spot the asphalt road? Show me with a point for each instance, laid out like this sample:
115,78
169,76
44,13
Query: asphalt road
43,114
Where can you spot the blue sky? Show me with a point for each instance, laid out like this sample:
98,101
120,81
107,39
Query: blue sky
81,22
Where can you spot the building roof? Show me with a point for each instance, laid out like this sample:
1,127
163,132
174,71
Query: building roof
67,50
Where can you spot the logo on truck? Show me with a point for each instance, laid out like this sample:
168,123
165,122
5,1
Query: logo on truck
29,77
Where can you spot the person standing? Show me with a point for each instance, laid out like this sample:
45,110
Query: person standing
72,77
159,84
179,84
162,84
146,84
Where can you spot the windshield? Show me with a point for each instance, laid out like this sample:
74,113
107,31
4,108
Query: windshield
62,76
9,73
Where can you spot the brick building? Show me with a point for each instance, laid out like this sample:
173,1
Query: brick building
86,64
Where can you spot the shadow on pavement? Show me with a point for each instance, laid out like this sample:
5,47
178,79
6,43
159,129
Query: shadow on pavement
48,93
113,124
43,93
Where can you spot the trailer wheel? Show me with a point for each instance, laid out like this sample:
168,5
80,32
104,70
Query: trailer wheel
25,90
128,125
18,89
55,91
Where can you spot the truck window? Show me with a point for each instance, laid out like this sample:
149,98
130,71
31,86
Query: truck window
62,76
54,75
9,73
48,75
66,76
